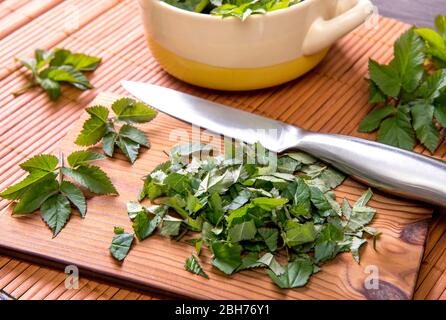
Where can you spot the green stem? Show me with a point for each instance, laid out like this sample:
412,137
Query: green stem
23,89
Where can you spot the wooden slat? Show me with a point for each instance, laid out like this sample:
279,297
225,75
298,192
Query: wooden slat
126,56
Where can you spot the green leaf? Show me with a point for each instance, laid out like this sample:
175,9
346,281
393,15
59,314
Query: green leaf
83,62
108,143
99,112
243,231
397,130
325,251
297,233
17,190
436,43
432,87
375,94
269,261
440,114
128,147
364,198
134,134
424,126
75,195
93,130
143,226
92,178
302,157
121,244
118,230
356,246
193,265
360,217
440,23
270,236
51,87
131,111
269,204
171,226
226,256
386,78
83,157
177,183
42,162
297,273
373,120
409,59
55,211
67,74
319,200
33,197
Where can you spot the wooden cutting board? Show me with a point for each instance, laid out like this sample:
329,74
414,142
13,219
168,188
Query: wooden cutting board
158,262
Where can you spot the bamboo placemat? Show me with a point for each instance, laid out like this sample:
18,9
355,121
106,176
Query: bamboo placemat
112,30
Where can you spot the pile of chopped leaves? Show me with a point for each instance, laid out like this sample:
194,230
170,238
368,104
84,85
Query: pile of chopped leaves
241,9
251,214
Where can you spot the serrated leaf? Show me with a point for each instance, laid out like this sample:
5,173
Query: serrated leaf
409,59
70,75
75,195
40,162
121,244
385,77
270,236
171,226
425,129
92,178
143,226
432,87
132,111
375,94
356,245
93,130
83,62
108,143
297,233
360,217
397,130
193,265
440,114
99,112
364,198
51,87
17,190
243,231
269,261
132,133
373,120
297,273
55,211
83,157
227,256
38,193
128,147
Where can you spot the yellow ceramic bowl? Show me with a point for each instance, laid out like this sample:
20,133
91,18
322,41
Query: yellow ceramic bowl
262,51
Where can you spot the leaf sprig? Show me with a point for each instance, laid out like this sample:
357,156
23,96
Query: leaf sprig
46,188
51,68
128,139
253,215
411,90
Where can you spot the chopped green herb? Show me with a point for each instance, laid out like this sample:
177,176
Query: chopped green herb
249,214
121,244
193,265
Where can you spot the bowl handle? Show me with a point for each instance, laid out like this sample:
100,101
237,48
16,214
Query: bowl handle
323,33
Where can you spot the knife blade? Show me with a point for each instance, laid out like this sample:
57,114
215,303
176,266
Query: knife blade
400,172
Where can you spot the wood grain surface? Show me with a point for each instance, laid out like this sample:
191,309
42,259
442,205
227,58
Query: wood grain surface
30,124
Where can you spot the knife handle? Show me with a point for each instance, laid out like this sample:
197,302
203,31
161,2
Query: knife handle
384,167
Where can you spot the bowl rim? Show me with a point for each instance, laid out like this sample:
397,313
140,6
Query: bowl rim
253,17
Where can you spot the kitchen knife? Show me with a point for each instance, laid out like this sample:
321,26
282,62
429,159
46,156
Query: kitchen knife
387,168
